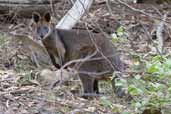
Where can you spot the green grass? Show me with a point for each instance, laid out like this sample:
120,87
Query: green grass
3,39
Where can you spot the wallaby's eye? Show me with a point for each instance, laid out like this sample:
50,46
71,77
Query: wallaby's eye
42,31
36,17
47,17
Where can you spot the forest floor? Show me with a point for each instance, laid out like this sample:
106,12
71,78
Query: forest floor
22,93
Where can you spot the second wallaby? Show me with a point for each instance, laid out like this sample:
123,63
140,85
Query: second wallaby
68,45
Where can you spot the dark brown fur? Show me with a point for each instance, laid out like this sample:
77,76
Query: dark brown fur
68,45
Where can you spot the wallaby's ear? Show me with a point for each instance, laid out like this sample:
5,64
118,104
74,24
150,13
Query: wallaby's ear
47,17
36,17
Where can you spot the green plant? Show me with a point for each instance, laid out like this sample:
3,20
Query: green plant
119,34
3,39
152,90
104,101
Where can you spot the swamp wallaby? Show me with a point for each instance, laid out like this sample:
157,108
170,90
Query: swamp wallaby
67,45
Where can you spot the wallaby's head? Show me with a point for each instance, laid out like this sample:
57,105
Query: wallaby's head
42,24
46,31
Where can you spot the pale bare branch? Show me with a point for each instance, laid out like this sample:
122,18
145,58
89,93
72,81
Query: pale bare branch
74,14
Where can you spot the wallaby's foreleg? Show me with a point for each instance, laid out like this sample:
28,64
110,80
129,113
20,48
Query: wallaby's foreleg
54,61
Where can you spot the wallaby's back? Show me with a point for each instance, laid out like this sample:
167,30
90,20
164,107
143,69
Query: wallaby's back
81,43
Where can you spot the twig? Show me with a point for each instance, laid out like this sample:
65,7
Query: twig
79,60
95,73
149,36
69,63
137,10
159,33
34,58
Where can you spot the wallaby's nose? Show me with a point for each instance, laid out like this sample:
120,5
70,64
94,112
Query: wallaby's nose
41,36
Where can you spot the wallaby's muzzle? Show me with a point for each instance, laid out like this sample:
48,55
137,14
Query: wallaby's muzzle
42,31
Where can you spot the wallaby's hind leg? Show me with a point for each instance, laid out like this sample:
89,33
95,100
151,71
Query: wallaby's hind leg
96,89
88,85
